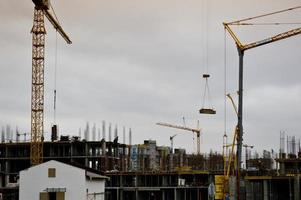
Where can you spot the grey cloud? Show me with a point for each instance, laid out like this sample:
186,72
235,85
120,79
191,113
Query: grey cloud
138,62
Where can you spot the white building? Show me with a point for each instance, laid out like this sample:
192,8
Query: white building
54,180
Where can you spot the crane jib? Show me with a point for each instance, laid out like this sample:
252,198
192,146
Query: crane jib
57,26
263,41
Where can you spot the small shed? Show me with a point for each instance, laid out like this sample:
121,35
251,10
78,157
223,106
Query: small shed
55,180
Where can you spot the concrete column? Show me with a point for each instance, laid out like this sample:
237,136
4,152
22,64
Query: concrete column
93,164
6,179
265,190
110,150
51,153
7,170
93,151
282,168
135,181
1,178
248,191
271,189
163,195
290,189
64,151
71,151
87,154
175,194
120,194
164,181
297,187
137,194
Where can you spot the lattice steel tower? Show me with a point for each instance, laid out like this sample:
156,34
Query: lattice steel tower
37,88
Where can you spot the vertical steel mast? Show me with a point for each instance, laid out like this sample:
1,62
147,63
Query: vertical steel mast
37,89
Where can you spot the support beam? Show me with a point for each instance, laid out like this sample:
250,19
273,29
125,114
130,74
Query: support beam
175,194
265,190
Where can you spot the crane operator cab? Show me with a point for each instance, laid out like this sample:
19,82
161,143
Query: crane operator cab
42,4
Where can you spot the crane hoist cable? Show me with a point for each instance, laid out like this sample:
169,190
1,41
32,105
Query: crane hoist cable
206,109
55,80
184,121
225,83
54,13
55,67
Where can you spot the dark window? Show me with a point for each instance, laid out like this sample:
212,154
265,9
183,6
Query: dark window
52,196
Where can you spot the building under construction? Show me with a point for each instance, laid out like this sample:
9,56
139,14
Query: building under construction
157,172
135,171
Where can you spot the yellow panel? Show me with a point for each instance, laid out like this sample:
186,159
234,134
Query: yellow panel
219,179
60,195
218,195
43,196
219,188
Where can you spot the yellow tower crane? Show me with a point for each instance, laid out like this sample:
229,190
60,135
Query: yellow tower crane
197,131
241,48
41,9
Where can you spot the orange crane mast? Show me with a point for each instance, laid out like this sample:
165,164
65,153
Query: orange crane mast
41,9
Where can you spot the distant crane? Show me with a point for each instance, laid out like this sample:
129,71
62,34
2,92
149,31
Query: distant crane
42,7
241,48
197,131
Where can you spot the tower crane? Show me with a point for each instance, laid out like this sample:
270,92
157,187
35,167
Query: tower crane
241,48
41,9
197,131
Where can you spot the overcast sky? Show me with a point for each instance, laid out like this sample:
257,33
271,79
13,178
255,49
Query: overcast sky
134,63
